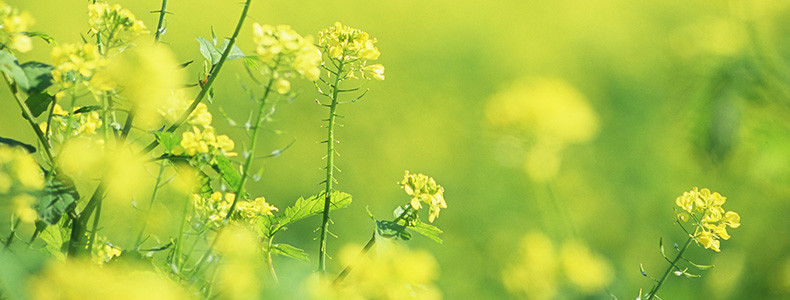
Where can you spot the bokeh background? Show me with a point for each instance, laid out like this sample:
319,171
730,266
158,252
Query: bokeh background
682,94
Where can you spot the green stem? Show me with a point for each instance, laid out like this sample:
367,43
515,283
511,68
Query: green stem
212,76
29,117
77,240
671,267
330,168
159,26
245,171
362,253
95,228
12,234
157,185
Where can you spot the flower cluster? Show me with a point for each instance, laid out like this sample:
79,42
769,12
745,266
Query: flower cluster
104,251
82,122
424,189
704,209
286,54
350,49
75,63
14,28
257,207
20,180
115,25
213,209
204,142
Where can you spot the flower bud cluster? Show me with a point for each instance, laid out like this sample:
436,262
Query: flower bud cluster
114,24
75,64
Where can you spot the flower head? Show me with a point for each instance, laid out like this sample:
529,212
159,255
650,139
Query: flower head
703,209
424,189
286,54
351,48
116,25
13,28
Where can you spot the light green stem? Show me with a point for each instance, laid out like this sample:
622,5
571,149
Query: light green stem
330,168
159,26
671,267
29,117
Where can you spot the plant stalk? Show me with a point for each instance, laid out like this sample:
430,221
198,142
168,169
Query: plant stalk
672,266
330,168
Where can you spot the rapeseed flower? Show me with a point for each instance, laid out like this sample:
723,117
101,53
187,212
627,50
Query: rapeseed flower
14,27
424,189
704,209
350,49
286,54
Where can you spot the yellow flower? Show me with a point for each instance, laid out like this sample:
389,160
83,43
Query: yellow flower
704,208
286,53
377,71
424,189
21,43
200,116
282,86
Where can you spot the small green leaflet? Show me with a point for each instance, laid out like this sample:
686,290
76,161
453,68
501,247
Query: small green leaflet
314,205
212,54
429,231
290,251
167,139
9,65
229,174
389,229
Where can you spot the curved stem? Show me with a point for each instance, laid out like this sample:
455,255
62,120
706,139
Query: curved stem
212,76
330,168
29,117
672,265
245,171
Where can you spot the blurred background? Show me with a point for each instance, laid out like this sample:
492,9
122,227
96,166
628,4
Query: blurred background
567,122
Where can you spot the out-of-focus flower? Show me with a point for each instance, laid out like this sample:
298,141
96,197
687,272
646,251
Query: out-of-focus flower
15,24
116,25
75,64
286,54
20,180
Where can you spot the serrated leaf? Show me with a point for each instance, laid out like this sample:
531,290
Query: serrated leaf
235,51
209,51
15,143
428,230
39,76
314,205
228,173
290,251
38,103
9,65
53,236
167,139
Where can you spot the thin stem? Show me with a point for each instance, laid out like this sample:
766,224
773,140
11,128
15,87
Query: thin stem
79,223
330,168
95,228
362,253
212,76
29,117
157,185
669,269
12,234
245,171
269,260
159,26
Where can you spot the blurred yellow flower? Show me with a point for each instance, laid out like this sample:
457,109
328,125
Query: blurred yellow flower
14,28
590,272
286,53
116,25
534,274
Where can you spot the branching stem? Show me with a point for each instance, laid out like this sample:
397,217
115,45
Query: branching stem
672,266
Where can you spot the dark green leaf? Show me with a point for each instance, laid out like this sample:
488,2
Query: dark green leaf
38,103
389,229
60,197
9,65
15,143
209,51
167,139
314,205
39,76
289,251
87,108
428,230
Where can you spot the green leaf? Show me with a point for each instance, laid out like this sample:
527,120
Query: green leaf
38,103
39,76
15,143
46,37
235,51
428,230
54,236
9,65
389,229
314,205
167,139
87,108
60,197
229,174
290,251
209,51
